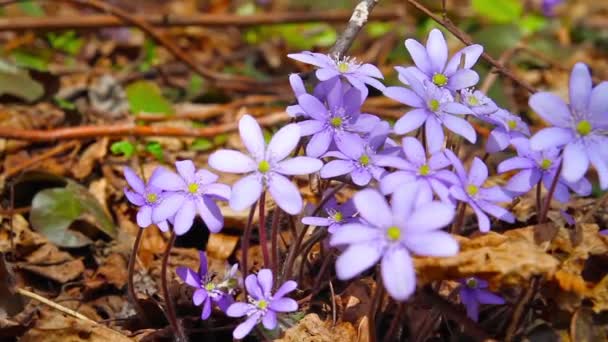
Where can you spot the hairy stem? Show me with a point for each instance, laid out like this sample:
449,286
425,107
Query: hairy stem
262,230
141,313
457,225
180,336
245,241
374,306
539,203
274,240
545,211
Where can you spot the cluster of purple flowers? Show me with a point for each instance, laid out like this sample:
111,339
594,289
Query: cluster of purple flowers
426,181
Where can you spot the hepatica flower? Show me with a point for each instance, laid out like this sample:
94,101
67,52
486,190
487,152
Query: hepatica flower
481,199
508,127
147,197
357,74
336,215
537,167
340,122
482,106
265,166
390,234
262,305
548,7
432,63
428,174
433,107
580,127
192,192
207,291
473,293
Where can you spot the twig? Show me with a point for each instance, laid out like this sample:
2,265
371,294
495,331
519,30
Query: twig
122,130
520,308
37,159
493,74
374,306
463,37
180,336
359,17
168,20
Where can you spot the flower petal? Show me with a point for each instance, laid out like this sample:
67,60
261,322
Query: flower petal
319,143
354,233
478,173
575,162
403,202
284,305
487,297
498,140
134,181
283,142
238,309
310,127
550,137
463,78
395,180
414,151
286,288
361,176
461,127
599,162
245,192
370,70
231,161
270,320
265,281
496,211
168,180
210,213
411,121
188,276
373,208
184,217
252,137
434,135
515,163
144,216
471,55
317,59
218,191
206,309
551,108
580,87
285,194
356,259
482,219
168,207
523,181
299,166
405,96
419,55
437,50
253,287
134,198
398,274
313,107
430,216
186,170
434,244
245,328
598,103
316,221
337,168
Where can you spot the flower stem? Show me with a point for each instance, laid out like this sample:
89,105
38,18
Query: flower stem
141,313
274,236
374,306
262,230
180,336
457,225
545,211
539,204
245,242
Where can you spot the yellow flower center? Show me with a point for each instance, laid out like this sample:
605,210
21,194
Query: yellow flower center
393,233
342,67
472,283
364,160
434,105
473,101
338,216
424,170
546,164
210,287
192,188
584,127
440,80
232,283
336,121
264,166
151,198
512,124
472,189
262,304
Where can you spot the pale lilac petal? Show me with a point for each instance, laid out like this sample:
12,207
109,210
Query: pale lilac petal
134,181
252,136
205,176
299,166
373,208
186,170
393,181
561,194
396,162
478,173
370,70
440,189
285,194
354,233
168,180
411,121
231,161
550,137
270,320
437,50
286,288
184,218
265,281
438,161
398,274
284,305
168,207
313,107
350,144
494,194
245,192
463,78
405,96
551,108
297,85
365,123
319,143
435,244
496,211
283,142
430,216
134,197
598,103
144,216
326,74
210,213
498,140
457,164
371,82
199,296
238,309
482,219
580,87
461,127
575,162
419,55
446,176
515,163
189,276
309,127
202,268
403,201
163,226
414,151
458,193
316,221
307,57
471,55
416,84
218,190
434,134
361,176
206,309
456,108
413,72
253,287
245,328
600,163
523,181
337,168
356,259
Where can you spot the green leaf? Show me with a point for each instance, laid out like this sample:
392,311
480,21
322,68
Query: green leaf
378,29
532,23
31,8
155,149
67,42
496,39
195,85
29,60
499,11
54,210
201,144
220,139
145,97
124,148
64,104
17,82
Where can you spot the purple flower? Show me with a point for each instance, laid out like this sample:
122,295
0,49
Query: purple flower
548,7
434,107
508,127
539,166
432,63
357,74
191,192
262,305
390,234
266,166
580,127
429,174
337,215
473,293
208,292
339,122
469,190
147,197
481,105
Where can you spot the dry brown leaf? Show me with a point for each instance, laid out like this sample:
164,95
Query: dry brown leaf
220,246
113,271
61,273
89,157
312,329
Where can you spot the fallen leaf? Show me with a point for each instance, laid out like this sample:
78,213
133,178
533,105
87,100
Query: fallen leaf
61,273
17,82
220,246
89,158
312,329
583,328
